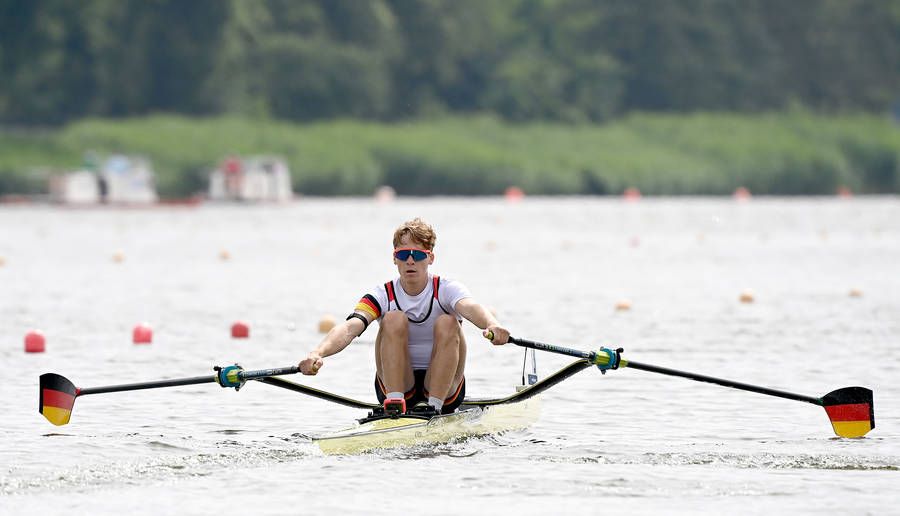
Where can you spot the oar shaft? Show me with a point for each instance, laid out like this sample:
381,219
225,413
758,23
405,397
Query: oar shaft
318,393
175,382
719,381
541,346
664,370
147,385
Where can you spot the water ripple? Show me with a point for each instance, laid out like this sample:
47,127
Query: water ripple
750,461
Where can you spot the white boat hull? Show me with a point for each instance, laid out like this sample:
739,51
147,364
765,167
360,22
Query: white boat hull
408,431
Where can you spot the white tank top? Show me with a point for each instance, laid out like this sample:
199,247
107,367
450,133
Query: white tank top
439,297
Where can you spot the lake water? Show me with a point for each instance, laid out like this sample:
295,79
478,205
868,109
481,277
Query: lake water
553,269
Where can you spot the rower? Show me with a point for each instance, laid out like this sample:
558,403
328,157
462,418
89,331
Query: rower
420,349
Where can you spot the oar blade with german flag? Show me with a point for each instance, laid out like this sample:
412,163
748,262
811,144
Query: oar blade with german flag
851,411
57,397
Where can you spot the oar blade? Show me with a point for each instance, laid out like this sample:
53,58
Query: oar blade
57,397
851,411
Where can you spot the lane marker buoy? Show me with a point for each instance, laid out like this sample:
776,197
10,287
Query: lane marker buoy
35,342
623,305
240,330
741,193
326,323
142,334
631,194
514,194
385,193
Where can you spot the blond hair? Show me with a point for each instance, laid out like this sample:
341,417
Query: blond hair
418,231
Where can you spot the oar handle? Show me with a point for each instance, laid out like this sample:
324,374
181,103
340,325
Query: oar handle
262,373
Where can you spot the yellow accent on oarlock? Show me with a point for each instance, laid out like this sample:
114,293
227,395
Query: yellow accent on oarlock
234,376
851,428
602,358
56,415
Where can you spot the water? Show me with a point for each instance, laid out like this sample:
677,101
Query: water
553,269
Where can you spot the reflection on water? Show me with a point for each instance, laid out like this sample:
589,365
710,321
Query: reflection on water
825,286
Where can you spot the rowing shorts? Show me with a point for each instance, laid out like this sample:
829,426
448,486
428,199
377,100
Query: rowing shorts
418,392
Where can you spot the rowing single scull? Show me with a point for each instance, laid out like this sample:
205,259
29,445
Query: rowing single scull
850,409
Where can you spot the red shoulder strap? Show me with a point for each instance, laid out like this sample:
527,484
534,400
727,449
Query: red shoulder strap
435,284
389,286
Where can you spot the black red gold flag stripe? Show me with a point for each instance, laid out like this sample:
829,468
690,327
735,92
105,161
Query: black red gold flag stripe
851,411
57,396
369,305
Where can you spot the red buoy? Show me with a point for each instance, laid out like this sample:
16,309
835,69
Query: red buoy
514,194
34,342
741,193
631,194
142,334
240,330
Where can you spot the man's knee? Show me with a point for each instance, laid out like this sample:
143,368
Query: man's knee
395,323
446,329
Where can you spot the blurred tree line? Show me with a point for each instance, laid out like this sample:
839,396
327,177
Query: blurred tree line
524,60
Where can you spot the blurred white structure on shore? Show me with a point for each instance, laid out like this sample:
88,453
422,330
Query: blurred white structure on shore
76,187
258,178
127,180
120,180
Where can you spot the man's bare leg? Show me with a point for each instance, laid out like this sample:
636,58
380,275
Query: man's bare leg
392,353
448,359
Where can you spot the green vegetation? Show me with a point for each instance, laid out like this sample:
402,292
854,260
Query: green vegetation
574,61
711,153
461,96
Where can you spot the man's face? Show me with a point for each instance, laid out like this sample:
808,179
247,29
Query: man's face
410,269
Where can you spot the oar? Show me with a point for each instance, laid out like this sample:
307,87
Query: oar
851,410
57,393
318,393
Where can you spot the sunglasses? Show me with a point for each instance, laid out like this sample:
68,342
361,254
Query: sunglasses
417,254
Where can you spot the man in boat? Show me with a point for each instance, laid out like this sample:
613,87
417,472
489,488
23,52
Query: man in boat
420,349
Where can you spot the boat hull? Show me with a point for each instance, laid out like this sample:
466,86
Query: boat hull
409,431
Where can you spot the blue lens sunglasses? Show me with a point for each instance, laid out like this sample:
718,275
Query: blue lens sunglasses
417,254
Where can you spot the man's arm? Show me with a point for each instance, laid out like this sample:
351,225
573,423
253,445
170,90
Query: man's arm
334,342
483,318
